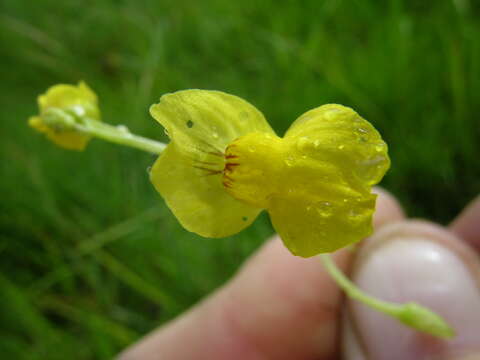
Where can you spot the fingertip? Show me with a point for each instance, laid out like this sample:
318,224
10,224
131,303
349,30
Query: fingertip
467,224
421,262
387,210
275,298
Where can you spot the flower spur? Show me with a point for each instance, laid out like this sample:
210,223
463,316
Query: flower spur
225,164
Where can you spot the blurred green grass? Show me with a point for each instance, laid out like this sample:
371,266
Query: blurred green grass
91,259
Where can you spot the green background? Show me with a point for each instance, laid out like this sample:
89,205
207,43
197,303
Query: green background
90,257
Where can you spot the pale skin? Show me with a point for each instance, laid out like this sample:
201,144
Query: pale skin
279,306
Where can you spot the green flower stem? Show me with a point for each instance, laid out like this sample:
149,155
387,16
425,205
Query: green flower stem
410,314
119,135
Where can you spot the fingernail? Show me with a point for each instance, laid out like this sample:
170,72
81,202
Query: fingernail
420,270
471,356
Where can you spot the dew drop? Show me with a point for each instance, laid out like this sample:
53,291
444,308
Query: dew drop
123,129
78,110
149,169
303,143
243,115
341,147
325,209
332,114
189,124
352,213
379,148
362,130
289,161
354,217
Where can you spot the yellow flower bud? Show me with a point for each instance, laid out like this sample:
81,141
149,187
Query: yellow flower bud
60,107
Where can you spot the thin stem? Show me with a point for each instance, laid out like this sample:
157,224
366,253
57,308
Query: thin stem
119,135
67,119
410,314
354,292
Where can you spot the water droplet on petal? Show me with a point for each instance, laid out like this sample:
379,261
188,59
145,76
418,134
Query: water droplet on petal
289,161
379,148
303,143
331,114
324,208
215,135
189,124
243,115
341,147
354,217
362,130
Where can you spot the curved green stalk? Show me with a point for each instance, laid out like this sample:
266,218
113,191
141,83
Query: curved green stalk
410,314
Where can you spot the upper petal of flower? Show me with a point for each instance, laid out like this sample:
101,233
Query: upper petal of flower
205,120
189,173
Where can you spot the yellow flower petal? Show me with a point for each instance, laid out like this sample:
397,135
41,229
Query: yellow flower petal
338,135
79,101
198,198
322,223
203,121
189,174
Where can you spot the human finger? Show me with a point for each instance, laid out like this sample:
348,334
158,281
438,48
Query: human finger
278,306
467,224
421,262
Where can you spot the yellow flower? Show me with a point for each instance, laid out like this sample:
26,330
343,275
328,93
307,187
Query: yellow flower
225,164
73,102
